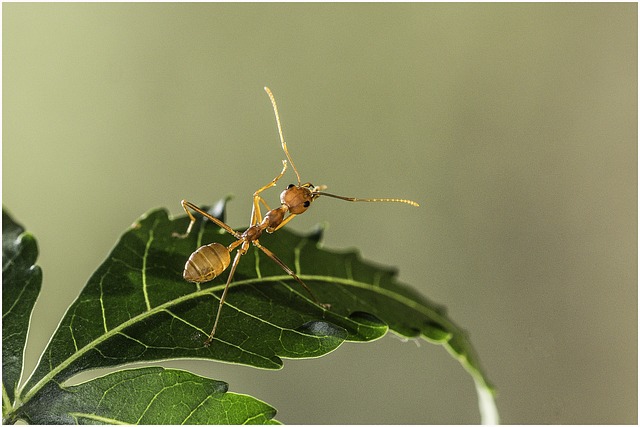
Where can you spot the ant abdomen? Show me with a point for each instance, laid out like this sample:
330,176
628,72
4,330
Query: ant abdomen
206,263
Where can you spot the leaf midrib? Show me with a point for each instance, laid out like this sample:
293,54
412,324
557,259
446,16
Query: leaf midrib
162,307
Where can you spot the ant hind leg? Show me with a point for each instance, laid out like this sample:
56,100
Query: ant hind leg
290,272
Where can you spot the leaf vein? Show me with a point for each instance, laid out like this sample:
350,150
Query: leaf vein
102,308
296,252
258,272
195,409
94,417
144,266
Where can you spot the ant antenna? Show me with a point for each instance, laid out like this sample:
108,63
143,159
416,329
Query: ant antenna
320,193
356,199
284,144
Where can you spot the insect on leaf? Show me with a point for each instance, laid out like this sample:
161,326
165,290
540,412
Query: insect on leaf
146,395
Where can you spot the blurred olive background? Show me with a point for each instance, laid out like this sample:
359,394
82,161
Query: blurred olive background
514,126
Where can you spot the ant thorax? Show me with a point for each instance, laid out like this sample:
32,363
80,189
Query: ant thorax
274,218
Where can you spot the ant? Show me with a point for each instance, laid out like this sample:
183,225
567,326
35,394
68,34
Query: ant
209,261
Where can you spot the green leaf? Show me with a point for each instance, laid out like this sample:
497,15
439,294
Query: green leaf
21,282
137,308
146,396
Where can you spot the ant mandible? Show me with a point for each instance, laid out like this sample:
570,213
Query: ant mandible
209,261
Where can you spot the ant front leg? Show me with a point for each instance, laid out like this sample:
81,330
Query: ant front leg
256,215
282,224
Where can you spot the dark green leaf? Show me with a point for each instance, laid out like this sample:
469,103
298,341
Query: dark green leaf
136,307
21,282
146,396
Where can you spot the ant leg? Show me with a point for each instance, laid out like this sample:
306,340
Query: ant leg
264,203
286,220
256,215
289,271
273,181
236,261
188,205
284,144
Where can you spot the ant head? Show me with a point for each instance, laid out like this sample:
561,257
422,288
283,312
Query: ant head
298,198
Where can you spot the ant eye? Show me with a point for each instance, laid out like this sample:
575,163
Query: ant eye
306,204
289,186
